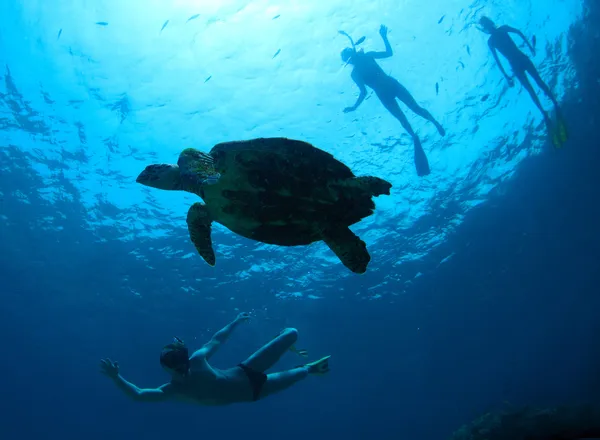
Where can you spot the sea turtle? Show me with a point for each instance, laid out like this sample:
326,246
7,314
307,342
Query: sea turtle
273,190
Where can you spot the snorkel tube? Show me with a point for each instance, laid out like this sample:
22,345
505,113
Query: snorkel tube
354,45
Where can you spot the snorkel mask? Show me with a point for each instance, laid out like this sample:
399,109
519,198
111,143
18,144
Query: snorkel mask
175,357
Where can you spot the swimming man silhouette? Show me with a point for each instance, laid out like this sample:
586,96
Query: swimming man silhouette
500,41
194,380
366,72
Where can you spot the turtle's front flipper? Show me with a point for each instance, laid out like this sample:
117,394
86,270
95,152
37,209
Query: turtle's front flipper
350,249
199,222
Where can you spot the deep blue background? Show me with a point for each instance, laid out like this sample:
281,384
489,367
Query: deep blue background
510,319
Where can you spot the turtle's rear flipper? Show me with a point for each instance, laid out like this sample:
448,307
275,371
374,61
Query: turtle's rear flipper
199,227
350,249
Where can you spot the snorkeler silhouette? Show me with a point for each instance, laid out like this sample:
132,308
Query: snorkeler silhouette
500,41
366,72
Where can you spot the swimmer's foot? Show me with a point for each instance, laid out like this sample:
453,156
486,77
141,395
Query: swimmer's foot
319,367
440,129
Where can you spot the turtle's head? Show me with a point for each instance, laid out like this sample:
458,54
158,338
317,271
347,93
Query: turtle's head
161,176
175,359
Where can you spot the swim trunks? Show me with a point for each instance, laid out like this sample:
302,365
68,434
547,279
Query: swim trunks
256,378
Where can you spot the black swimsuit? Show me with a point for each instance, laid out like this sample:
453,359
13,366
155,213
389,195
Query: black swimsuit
257,380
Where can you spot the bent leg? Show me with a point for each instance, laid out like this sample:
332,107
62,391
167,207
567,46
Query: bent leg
270,353
404,95
421,162
277,382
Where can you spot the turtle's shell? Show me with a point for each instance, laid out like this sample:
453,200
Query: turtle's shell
282,191
279,156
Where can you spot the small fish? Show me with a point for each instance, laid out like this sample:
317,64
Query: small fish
59,34
193,17
441,19
208,78
533,41
437,89
277,53
468,50
102,23
276,17
461,64
164,25
485,97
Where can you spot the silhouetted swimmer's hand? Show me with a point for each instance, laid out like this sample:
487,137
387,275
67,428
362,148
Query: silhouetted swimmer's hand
383,30
109,368
243,317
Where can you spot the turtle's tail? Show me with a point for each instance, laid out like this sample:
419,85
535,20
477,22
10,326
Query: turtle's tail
374,185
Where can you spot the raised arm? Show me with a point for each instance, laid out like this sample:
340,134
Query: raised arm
219,338
388,49
495,55
520,34
363,92
111,369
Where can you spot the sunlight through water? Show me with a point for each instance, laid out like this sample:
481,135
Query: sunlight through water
106,87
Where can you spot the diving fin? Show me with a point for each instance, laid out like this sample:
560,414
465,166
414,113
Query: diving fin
199,227
556,140
563,134
421,162
299,351
559,132
319,367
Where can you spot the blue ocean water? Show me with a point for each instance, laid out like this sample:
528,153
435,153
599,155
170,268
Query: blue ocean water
482,288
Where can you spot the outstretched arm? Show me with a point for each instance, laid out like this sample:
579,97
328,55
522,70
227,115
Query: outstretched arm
520,34
140,394
363,93
219,338
495,55
111,369
388,49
